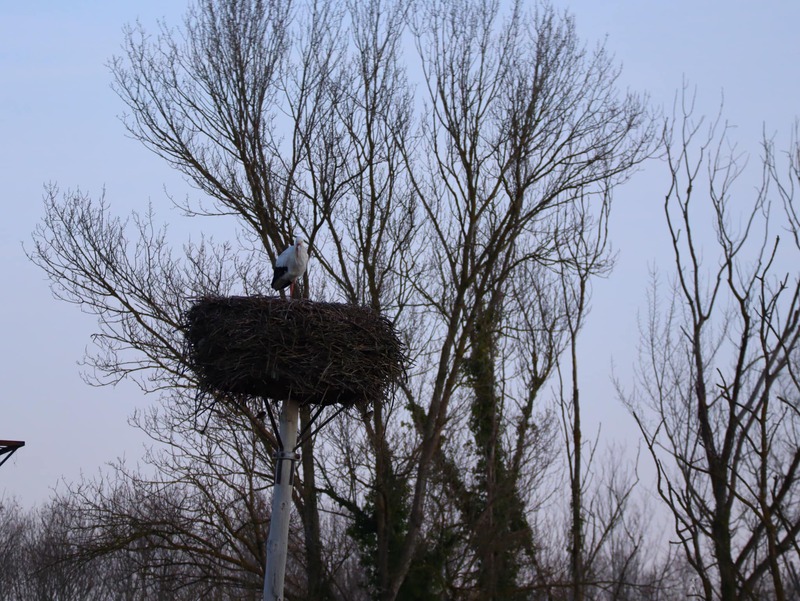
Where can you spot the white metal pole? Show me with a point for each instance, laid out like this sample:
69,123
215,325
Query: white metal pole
278,539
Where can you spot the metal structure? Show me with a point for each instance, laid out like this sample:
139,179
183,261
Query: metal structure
8,448
286,458
277,540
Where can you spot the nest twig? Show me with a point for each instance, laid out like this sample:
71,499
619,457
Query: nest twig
316,353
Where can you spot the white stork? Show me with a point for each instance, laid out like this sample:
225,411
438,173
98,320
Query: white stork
290,265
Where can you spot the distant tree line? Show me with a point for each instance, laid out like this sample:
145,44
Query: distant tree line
452,164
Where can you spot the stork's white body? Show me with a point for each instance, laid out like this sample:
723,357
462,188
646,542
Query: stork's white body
290,264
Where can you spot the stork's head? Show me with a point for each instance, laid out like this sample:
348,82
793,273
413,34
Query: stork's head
299,241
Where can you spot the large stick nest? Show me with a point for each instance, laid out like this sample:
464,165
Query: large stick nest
317,353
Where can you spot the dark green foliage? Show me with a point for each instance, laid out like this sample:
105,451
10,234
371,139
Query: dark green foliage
495,512
425,579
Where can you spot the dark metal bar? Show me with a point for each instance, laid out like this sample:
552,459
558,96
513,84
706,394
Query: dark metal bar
9,447
318,428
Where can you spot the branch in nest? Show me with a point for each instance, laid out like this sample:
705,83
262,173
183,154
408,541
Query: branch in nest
316,353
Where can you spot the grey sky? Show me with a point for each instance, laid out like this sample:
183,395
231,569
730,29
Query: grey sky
58,123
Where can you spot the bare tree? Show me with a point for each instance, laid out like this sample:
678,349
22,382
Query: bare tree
48,557
200,504
35,562
498,159
12,529
435,204
584,252
603,542
717,401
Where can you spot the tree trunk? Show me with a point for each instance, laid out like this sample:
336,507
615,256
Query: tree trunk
318,584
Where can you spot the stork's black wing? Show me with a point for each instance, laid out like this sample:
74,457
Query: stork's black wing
279,279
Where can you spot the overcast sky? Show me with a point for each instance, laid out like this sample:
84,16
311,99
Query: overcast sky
58,123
